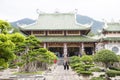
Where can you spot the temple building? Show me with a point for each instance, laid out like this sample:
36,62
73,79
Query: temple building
111,39
61,34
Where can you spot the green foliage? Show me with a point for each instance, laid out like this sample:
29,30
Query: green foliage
6,50
113,73
74,59
3,63
85,73
20,64
118,57
4,26
114,68
32,41
8,43
41,55
45,56
28,73
3,37
17,38
95,69
87,59
105,56
77,65
43,50
81,64
97,78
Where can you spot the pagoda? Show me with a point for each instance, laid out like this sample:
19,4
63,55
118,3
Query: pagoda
111,39
61,34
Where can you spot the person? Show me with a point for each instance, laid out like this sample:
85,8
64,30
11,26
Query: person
55,61
66,65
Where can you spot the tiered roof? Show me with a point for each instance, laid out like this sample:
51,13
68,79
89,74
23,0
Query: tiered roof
59,21
111,39
56,21
66,39
114,27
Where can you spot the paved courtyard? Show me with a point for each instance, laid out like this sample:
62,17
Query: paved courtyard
57,73
60,74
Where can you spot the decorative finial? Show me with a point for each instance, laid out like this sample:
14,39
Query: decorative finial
76,10
38,11
119,21
104,20
57,10
112,20
105,23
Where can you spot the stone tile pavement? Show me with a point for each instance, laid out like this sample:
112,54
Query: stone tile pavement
60,74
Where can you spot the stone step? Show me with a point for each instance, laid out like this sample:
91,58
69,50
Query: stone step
60,61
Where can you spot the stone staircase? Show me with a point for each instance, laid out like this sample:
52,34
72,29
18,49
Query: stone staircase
60,61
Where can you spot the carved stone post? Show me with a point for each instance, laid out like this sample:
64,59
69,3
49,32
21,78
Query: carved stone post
82,45
45,46
65,48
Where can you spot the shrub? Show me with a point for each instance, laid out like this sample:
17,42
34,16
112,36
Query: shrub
78,69
114,68
95,69
102,75
73,66
81,64
89,66
85,73
106,57
97,78
118,57
113,73
13,66
87,59
74,59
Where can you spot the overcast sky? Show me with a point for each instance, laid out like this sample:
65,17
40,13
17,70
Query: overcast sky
13,10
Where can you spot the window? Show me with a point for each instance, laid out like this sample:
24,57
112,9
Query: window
55,32
73,32
115,49
38,32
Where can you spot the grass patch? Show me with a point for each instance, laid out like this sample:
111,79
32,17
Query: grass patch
28,73
97,78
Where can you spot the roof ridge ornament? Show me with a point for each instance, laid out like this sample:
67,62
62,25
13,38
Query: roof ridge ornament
119,21
112,21
105,24
38,11
57,10
76,11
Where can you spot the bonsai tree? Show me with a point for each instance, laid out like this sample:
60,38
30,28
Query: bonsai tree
6,45
106,57
25,49
87,63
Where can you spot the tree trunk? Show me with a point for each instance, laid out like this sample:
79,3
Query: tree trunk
106,76
30,67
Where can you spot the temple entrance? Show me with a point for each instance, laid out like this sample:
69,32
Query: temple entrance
57,50
88,50
73,51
